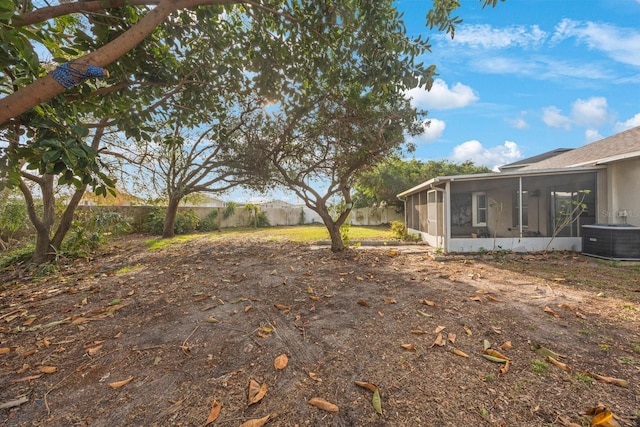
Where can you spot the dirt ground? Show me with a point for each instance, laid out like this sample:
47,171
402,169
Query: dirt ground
141,337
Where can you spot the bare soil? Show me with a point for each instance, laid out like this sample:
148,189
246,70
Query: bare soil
140,337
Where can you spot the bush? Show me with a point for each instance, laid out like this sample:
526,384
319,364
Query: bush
90,231
263,220
210,222
186,222
13,217
399,230
154,223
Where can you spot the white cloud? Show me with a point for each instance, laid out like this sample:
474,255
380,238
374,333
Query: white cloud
592,135
620,44
590,112
491,157
433,130
487,37
628,124
518,123
553,117
440,97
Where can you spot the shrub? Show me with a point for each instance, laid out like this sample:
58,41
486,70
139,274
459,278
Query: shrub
210,222
154,222
399,230
263,220
186,222
89,231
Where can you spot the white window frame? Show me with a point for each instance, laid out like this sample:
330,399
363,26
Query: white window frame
475,208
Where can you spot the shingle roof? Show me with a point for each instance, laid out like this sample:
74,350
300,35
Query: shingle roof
535,159
616,147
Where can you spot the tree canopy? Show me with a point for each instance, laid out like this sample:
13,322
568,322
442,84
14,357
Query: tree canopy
382,184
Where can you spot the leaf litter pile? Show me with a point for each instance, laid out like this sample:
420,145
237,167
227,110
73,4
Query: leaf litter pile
233,332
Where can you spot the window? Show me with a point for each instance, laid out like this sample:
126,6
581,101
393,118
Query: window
479,209
525,209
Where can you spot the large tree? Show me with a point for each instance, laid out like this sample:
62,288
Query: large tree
26,23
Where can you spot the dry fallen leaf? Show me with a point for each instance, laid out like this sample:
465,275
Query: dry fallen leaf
604,419
419,332
482,291
48,369
550,311
368,386
94,350
409,347
439,329
506,345
281,361
493,299
119,384
495,353
475,298
460,353
315,377
4,350
363,303
256,392
215,411
609,380
427,302
505,368
258,422
467,330
323,404
451,337
390,301
559,364
566,422
439,341
282,307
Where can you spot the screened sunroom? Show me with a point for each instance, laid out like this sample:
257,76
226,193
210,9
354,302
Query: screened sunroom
519,211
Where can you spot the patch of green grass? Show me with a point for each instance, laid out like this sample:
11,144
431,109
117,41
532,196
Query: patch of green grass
627,360
311,233
156,244
19,255
583,378
539,366
635,348
587,332
604,347
303,233
129,268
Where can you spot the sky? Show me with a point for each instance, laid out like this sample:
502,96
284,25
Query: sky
528,76
525,77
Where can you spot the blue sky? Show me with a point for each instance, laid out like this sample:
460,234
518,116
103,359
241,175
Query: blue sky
528,76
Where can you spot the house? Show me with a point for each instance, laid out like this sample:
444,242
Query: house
536,204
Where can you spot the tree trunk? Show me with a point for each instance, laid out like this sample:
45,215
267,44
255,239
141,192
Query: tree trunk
43,251
170,219
337,245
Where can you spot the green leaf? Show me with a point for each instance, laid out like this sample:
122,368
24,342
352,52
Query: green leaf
377,403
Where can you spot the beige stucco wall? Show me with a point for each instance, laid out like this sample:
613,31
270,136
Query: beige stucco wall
623,193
